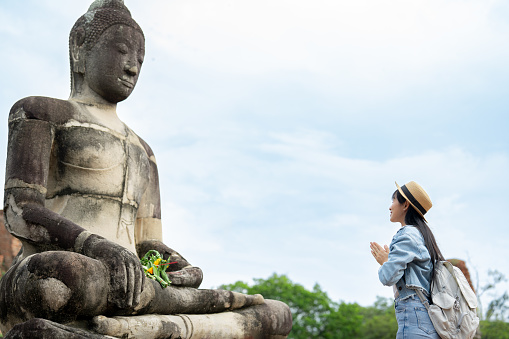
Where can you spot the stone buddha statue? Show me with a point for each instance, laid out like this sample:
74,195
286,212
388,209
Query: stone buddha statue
82,195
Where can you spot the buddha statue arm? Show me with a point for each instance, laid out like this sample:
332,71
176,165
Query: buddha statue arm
28,157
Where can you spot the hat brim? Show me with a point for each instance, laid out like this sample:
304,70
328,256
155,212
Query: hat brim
406,198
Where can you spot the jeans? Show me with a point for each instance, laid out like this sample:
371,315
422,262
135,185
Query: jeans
413,319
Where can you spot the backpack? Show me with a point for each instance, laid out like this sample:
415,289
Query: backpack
453,309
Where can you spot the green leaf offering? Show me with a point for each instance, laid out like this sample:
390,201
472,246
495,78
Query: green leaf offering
155,267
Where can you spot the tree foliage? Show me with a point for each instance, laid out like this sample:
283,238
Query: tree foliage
315,315
494,329
379,320
498,307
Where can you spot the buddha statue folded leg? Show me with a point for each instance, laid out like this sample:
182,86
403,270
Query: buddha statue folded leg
70,288
271,320
54,285
45,329
65,286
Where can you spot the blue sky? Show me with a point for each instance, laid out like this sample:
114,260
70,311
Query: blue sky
279,127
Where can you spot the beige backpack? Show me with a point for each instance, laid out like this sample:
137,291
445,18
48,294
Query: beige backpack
454,304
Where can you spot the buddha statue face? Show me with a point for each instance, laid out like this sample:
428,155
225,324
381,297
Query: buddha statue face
113,64
106,48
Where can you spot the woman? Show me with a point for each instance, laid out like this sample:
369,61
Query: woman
408,263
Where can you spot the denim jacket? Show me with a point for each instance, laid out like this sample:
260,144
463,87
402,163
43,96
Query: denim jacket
409,263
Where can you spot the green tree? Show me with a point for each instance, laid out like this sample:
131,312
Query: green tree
308,308
380,320
314,314
494,329
343,322
498,307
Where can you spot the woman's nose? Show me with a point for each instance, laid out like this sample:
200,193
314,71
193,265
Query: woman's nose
131,70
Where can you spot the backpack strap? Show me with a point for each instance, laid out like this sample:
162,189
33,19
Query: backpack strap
423,299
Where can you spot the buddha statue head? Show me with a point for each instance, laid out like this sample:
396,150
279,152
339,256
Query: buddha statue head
106,49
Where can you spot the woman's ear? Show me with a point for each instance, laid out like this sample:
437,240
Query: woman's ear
406,204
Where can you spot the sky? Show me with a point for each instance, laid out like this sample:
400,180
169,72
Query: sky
279,127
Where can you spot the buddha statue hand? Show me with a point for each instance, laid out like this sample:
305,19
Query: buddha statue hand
126,274
188,276
180,272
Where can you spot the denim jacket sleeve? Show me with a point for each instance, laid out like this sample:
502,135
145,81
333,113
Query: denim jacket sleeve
405,247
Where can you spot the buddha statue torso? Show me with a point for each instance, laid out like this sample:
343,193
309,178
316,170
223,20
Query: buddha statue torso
98,172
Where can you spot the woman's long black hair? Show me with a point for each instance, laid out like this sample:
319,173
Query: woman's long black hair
413,218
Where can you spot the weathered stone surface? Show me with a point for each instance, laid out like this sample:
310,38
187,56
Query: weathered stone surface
45,329
245,323
82,195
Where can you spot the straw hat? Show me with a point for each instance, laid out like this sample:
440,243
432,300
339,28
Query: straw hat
416,196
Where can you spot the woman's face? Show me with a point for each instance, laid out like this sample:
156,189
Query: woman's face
398,211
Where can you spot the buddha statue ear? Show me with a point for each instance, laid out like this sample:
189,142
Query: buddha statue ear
78,50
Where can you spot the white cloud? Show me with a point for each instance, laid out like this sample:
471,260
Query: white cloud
371,44
338,205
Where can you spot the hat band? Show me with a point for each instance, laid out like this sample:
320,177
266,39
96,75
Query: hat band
413,200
